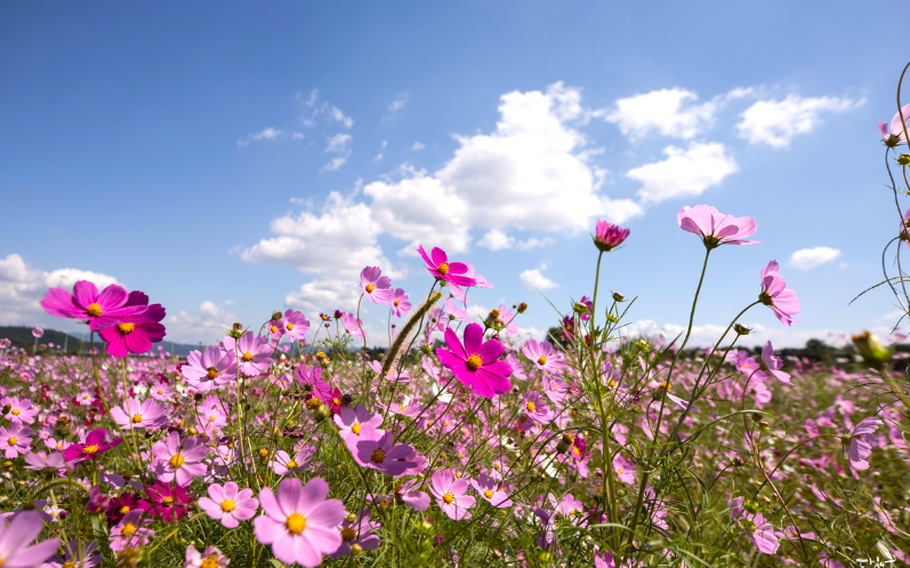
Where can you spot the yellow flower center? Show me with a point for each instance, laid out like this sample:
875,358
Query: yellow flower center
126,327
289,326
488,494
542,360
128,530
356,429
168,500
397,303
68,564
612,384
665,385
12,440
137,418
292,464
448,498
227,505
296,523
531,406
369,288
620,471
210,562
443,268
177,460
247,356
348,534
378,455
16,412
474,362
211,373
89,450
93,310
274,329
124,509
160,391
264,453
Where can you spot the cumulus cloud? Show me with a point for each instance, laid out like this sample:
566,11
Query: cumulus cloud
269,133
417,147
533,278
808,258
496,240
685,173
338,144
208,324
22,286
399,103
776,122
324,294
669,112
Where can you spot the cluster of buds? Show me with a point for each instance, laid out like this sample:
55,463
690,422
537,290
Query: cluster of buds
493,320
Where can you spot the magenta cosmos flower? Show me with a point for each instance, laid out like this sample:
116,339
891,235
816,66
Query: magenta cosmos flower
87,304
254,353
715,228
377,288
440,267
132,333
376,449
895,134
609,236
229,504
775,294
755,527
209,368
771,366
15,440
400,303
543,355
477,363
15,537
300,524
95,442
450,493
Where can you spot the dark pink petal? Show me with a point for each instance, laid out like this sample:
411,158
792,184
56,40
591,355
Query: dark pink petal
473,338
454,344
491,351
85,293
113,296
439,256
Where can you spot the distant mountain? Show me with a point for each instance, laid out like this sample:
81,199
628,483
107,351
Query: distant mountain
21,336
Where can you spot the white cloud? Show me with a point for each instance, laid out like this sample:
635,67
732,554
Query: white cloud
324,295
496,240
297,136
326,109
670,112
208,324
269,133
685,173
808,258
338,144
534,242
399,103
533,278
339,240
23,286
775,122
417,147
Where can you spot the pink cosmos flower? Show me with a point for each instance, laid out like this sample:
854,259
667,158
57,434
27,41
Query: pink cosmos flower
253,352
167,502
179,462
357,529
284,464
229,504
755,527
37,332
450,493
624,468
300,524
296,325
130,533
210,558
85,303
490,490
537,407
417,500
544,356
440,267
454,312
310,380
132,333
771,365
15,537
96,442
774,293
477,363
715,228
75,556
352,324
40,461
400,303
377,288
374,449
862,442
209,368
609,236
895,134
20,410
138,415
353,419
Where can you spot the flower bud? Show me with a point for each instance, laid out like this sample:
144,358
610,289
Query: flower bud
237,330
276,316
874,354
617,297
903,160
522,308
742,329
609,236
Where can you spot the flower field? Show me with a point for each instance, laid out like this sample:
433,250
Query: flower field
462,444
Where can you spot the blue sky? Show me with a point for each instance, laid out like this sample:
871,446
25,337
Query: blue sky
232,159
